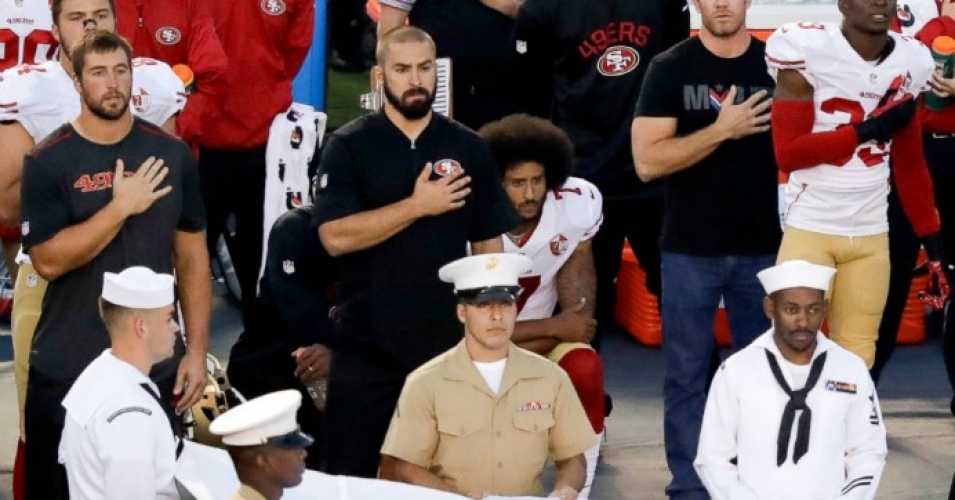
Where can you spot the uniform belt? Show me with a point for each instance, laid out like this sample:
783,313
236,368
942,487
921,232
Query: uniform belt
797,401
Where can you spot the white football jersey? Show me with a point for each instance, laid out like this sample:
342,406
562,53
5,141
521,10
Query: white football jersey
570,215
847,90
913,14
25,33
42,97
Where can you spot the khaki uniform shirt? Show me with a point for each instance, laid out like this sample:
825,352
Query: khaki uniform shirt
246,493
449,422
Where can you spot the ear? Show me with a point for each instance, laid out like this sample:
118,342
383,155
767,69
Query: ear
139,325
460,311
768,307
377,76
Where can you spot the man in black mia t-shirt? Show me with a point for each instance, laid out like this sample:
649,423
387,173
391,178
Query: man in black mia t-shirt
702,123
84,215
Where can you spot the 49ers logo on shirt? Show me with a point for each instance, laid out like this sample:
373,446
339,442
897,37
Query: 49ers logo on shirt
558,244
167,35
273,7
141,101
618,60
446,167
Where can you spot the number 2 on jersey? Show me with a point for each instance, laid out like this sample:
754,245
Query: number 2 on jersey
871,156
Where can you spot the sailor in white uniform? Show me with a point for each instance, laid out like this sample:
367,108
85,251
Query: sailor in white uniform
117,440
793,415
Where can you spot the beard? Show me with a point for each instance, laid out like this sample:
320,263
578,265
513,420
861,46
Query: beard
410,109
529,210
722,31
102,111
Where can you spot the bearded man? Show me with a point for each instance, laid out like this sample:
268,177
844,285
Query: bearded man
400,193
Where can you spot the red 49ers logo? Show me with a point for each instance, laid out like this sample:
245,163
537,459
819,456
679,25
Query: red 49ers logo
618,60
168,35
273,7
141,101
558,244
446,167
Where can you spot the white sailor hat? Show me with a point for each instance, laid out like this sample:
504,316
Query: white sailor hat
268,419
489,277
796,274
138,288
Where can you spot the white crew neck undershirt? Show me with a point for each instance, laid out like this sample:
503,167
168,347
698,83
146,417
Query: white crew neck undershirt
492,373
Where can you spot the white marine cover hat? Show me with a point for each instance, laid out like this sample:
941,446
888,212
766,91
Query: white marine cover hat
489,277
268,419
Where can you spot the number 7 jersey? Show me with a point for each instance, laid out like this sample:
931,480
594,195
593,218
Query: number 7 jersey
570,215
847,196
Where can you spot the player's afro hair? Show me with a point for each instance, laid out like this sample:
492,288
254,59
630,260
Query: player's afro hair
523,138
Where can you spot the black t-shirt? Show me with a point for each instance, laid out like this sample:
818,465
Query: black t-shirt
294,299
68,179
392,303
590,57
725,204
477,39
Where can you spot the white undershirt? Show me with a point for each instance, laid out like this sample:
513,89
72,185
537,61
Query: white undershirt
799,373
492,372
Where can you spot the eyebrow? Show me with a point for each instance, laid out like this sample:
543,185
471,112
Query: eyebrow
104,10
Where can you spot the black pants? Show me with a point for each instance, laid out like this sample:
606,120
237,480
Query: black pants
44,416
233,183
639,222
362,396
941,164
903,251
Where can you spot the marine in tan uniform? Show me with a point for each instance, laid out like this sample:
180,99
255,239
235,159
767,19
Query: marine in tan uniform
485,416
265,443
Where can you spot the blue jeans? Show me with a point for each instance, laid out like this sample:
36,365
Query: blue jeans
692,288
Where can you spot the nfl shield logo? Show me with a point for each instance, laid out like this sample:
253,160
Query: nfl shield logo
521,47
288,266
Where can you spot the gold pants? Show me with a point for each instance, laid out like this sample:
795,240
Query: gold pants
859,289
27,300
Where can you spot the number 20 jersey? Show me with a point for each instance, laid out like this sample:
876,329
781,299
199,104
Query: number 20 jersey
569,216
848,196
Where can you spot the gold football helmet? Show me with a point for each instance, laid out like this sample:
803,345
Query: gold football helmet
217,397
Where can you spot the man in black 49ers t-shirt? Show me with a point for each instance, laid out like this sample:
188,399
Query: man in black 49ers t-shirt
84,215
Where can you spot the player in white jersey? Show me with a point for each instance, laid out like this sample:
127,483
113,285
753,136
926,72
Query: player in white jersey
911,15
34,101
26,35
843,107
559,217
